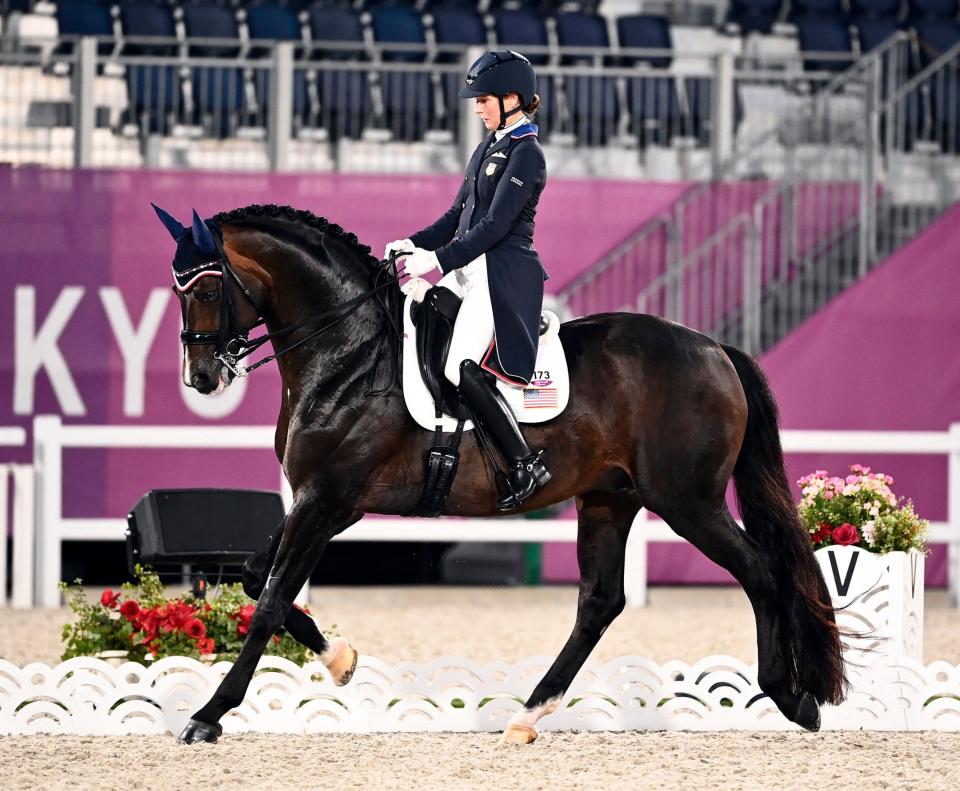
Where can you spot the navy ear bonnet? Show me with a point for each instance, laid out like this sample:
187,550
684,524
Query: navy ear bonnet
198,254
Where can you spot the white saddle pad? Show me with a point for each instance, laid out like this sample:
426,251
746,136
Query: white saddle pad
543,399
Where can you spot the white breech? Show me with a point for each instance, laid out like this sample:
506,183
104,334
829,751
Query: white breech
473,330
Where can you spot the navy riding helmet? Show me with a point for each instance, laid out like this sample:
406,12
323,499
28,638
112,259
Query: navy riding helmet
498,73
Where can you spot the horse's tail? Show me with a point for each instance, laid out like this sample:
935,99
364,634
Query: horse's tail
810,636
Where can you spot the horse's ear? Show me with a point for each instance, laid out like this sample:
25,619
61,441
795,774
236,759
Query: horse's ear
202,235
170,223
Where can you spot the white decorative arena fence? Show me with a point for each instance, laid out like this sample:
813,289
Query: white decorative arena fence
89,696
51,438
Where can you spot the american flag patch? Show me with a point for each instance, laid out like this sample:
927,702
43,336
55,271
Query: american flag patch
539,398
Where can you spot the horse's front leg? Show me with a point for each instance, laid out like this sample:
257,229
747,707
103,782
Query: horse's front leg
305,536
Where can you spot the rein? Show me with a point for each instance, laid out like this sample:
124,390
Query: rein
232,344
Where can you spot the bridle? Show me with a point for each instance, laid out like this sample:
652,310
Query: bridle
231,341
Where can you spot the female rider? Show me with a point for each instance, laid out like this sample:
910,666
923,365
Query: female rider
484,247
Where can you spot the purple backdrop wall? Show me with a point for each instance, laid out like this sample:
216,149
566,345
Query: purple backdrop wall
880,356
80,247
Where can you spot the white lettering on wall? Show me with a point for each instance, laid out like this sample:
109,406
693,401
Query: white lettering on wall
35,349
134,342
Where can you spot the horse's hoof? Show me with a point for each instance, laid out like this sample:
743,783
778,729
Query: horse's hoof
808,713
343,664
197,732
519,734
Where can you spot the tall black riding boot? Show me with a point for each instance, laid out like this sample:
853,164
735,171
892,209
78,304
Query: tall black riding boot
527,470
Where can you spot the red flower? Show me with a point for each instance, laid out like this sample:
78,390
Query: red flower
179,614
195,629
109,599
205,645
822,533
130,610
243,628
846,535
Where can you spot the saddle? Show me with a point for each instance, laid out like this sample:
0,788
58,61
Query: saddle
432,400
435,404
434,319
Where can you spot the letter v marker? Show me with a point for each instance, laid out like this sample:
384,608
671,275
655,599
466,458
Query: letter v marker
844,586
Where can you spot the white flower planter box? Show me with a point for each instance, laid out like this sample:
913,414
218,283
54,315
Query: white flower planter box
879,599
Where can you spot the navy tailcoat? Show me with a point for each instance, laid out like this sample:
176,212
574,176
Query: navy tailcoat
493,213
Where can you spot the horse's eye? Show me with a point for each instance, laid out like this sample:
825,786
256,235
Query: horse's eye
207,296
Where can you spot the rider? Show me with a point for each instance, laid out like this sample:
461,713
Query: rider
484,246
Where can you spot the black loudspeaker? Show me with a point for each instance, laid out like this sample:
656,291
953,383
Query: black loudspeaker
200,526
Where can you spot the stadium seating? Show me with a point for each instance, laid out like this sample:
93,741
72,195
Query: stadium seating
754,16
935,37
824,34
652,101
455,25
874,8
345,105
277,23
520,28
142,20
933,9
874,31
218,92
407,95
84,18
592,100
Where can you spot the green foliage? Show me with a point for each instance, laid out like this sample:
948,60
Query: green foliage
141,620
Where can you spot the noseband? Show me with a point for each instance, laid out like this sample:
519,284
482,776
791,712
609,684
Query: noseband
230,340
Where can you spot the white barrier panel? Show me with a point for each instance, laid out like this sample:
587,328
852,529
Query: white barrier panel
88,696
51,437
16,499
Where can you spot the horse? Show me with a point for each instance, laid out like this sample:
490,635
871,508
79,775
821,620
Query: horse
659,417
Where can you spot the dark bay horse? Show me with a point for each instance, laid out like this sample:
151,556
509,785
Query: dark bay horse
660,417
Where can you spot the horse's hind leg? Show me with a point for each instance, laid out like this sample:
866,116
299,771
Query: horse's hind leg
604,523
715,533
335,654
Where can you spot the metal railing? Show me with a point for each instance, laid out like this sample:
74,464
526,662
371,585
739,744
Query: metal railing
260,105
858,169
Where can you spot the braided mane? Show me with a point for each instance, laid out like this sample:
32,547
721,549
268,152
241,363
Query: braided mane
302,216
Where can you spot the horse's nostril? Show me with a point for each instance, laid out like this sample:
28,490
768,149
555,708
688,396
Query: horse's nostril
200,380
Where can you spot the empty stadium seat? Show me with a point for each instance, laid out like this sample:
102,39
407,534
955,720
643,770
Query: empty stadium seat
337,25
273,23
937,9
154,96
935,37
344,100
81,18
147,20
277,23
822,34
654,109
399,25
874,8
454,25
645,31
874,31
218,92
577,29
592,100
519,29
211,22
407,95
830,8
754,16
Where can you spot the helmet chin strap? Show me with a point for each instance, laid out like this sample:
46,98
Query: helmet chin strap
504,115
